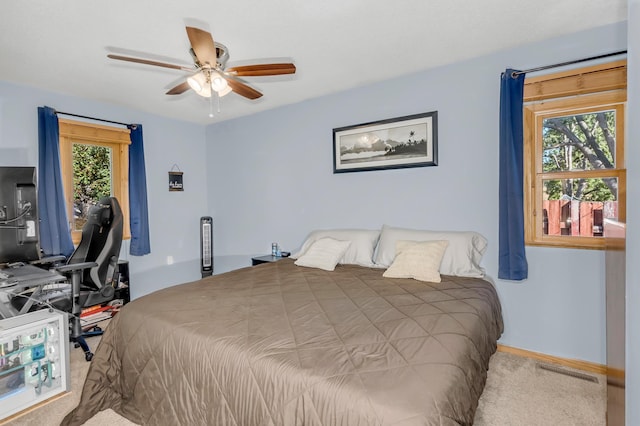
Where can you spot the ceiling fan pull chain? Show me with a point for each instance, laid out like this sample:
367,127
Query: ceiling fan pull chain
211,106
218,100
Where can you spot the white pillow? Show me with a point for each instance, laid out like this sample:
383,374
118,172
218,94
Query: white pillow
462,257
324,254
363,244
417,260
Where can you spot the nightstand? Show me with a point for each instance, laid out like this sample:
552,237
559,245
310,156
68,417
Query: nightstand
265,259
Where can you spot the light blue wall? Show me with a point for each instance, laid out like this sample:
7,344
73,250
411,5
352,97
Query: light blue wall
271,180
633,217
174,217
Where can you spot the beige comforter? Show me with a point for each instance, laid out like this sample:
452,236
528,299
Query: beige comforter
278,344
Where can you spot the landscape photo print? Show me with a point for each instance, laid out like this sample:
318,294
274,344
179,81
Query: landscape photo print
410,141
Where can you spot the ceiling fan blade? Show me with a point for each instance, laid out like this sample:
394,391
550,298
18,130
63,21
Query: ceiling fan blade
242,88
263,69
180,88
148,62
203,46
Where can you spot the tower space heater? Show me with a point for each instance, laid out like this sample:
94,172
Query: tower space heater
206,246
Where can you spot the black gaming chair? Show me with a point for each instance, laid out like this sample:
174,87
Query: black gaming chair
93,266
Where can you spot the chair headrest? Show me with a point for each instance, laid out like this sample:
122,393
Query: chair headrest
100,215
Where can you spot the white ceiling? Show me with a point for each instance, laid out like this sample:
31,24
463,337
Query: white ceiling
61,45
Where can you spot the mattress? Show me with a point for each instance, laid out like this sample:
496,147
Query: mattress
278,344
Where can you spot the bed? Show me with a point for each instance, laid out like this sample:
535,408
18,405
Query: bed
284,344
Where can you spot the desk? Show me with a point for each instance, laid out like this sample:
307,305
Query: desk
17,278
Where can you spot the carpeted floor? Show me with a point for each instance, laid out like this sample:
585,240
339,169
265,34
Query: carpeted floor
517,393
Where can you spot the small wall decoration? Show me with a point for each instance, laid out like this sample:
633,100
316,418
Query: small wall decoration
410,141
175,179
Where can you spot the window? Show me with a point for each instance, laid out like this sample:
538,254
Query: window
574,155
95,163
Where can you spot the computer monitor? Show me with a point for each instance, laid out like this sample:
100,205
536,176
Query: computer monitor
19,239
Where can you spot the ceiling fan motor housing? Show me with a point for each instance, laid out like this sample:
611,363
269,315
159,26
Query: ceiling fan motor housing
222,53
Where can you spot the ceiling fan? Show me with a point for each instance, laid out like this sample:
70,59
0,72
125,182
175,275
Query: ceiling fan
210,75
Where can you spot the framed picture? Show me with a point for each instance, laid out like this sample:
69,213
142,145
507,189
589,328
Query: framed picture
175,181
410,141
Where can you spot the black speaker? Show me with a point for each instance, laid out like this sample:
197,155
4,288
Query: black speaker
206,246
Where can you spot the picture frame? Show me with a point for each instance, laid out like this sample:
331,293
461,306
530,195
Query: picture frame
394,143
175,181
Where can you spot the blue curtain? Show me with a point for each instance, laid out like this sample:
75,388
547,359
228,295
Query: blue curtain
138,209
55,236
512,261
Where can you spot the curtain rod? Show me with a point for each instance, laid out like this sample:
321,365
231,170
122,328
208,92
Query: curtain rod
96,119
546,67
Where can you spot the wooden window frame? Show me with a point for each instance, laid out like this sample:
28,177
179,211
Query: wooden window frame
590,89
118,139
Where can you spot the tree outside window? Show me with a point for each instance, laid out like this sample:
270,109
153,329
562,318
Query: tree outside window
91,179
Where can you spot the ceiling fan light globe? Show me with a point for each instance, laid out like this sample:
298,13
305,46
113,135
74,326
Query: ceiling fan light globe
224,91
194,84
205,92
219,83
198,82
